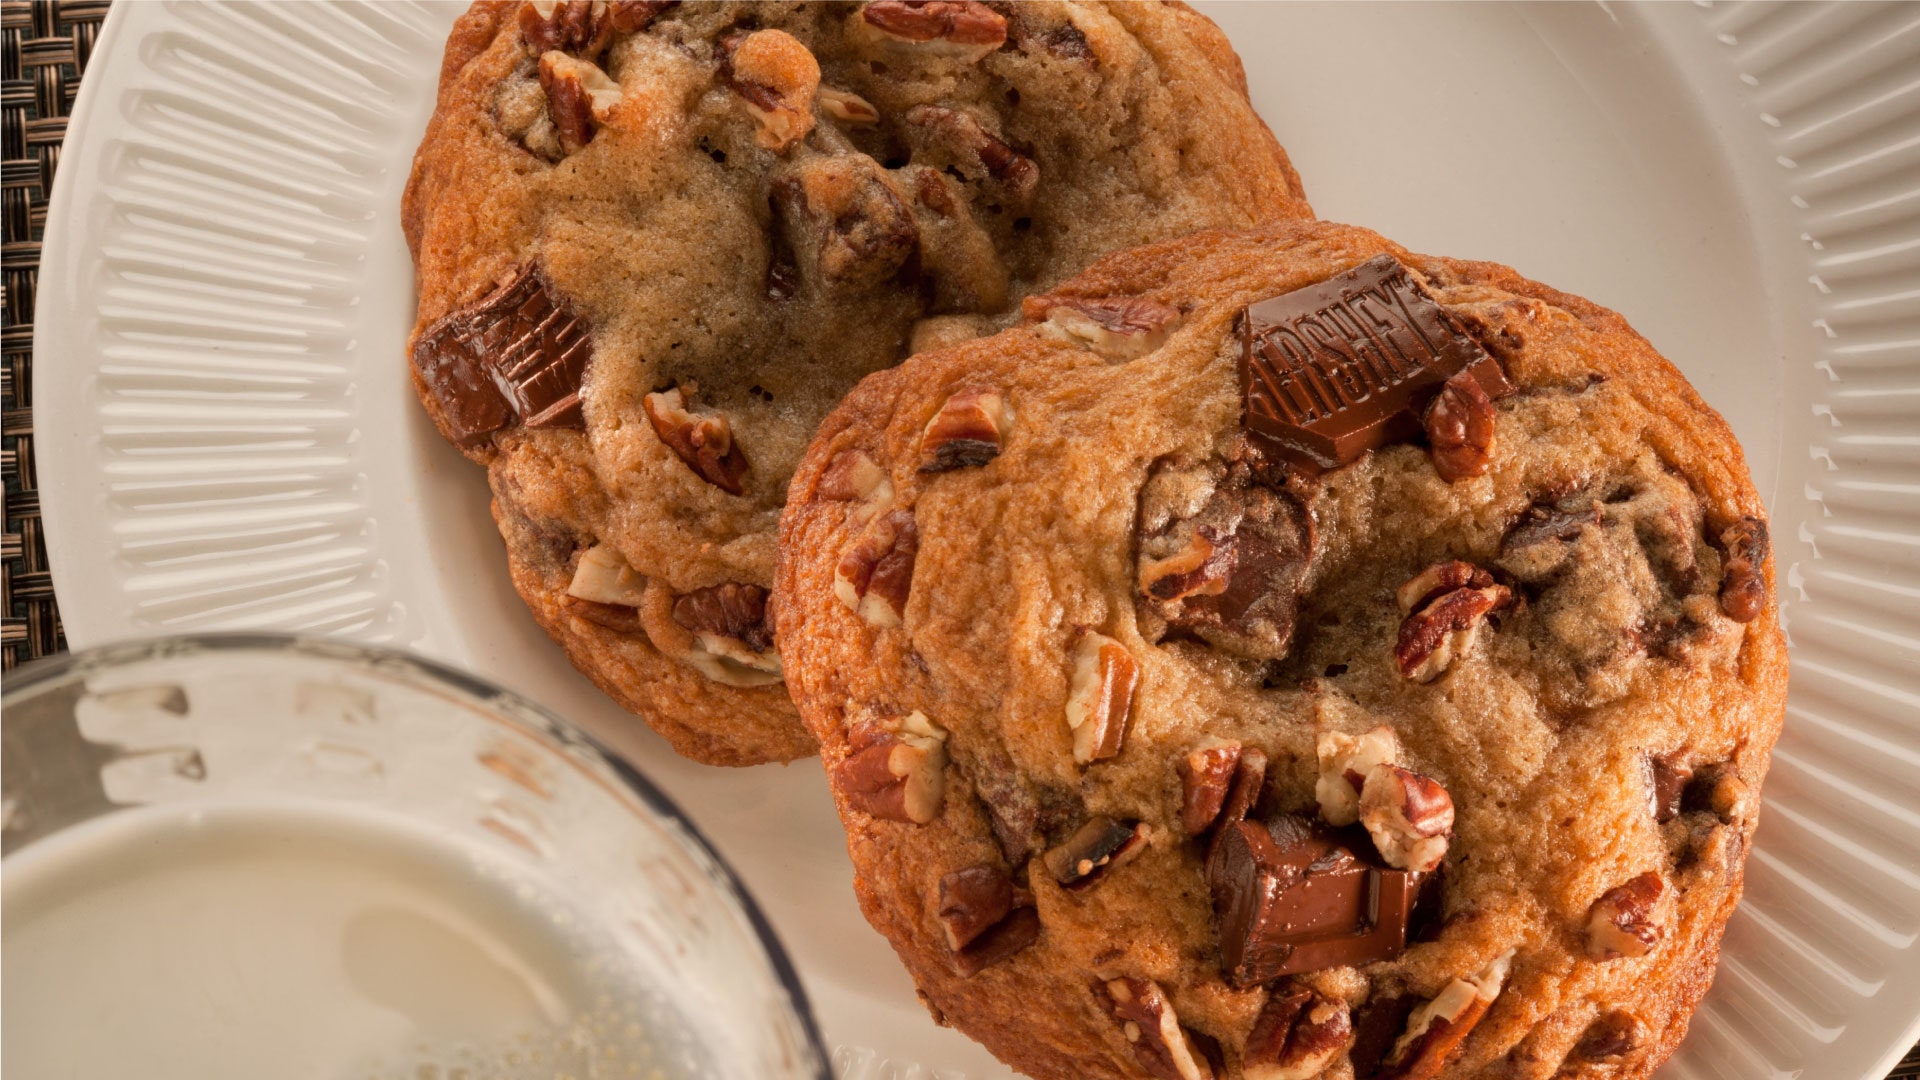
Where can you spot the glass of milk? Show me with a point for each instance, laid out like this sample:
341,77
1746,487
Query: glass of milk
263,856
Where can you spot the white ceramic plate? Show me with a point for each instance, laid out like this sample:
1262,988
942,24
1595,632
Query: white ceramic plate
228,439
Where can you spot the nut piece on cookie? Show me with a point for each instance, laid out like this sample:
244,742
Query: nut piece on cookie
1206,775
847,107
1743,583
852,476
1100,696
1202,567
950,139
967,431
875,575
1094,848
963,29
602,576
844,221
703,440
580,98
574,26
1624,922
1442,627
985,917
1147,1020
1345,763
1118,328
776,78
1437,1028
733,638
1459,424
1297,1035
895,769
1409,816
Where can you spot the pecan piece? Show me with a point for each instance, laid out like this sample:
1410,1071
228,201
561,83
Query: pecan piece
1743,583
703,440
1147,1019
1206,774
574,26
967,431
1296,1036
580,98
1201,568
848,107
895,770
972,901
1443,628
1718,789
732,634
1442,577
1436,1029
854,477
776,78
875,575
1100,696
1459,425
602,576
963,27
842,218
951,139
1117,327
1345,762
1409,816
1099,845
1623,922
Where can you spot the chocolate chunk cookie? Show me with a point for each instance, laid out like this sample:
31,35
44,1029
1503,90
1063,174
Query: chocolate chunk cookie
1316,660
656,243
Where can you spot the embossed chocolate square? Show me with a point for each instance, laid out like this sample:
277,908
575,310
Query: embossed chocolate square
517,354
1341,367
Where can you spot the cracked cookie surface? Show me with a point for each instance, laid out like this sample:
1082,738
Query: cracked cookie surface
1191,706
655,243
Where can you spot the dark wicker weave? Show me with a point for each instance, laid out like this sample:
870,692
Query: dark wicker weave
47,46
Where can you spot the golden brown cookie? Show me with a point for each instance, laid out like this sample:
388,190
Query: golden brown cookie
655,243
1290,656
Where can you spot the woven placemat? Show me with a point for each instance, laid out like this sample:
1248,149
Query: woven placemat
47,45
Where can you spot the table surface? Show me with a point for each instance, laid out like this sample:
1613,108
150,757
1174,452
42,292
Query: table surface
47,44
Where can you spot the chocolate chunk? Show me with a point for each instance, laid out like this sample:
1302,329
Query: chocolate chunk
1743,584
518,355
1375,1027
1338,368
1612,1036
1667,777
1292,895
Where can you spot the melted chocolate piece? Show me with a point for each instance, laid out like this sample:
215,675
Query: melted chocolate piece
517,355
1291,895
1338,368
1668,777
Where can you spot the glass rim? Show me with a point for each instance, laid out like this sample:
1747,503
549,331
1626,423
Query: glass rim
475,691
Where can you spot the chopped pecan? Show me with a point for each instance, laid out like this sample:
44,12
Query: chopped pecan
776,78
1743,583
853,477
962,26
603,576
1623,922
842,218
896,769
1443,629
848,107
619,618
580,98
1100,696
972,901
1147,1019
1409,816
732,633
1116,327
1099,845
1010,935
1249,784
875,575
1296,1036
1206,774
1201,568
1440,578
574,26
967,431
1436,1029
1718,789
1612,1035
633,16
1345,762
948,138
1459,426
703,440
